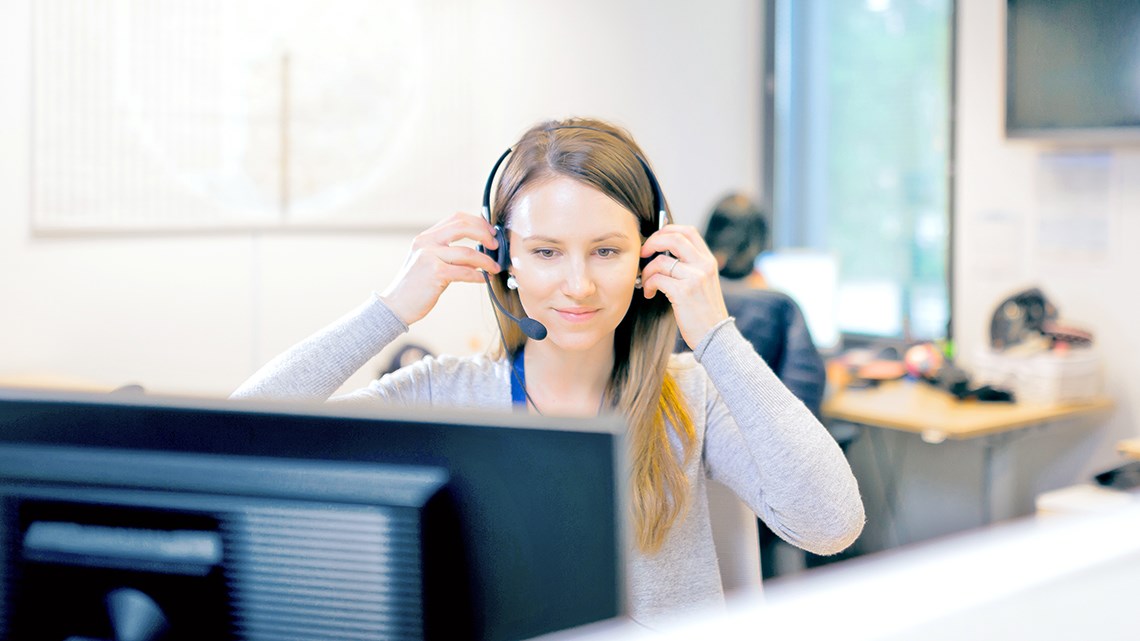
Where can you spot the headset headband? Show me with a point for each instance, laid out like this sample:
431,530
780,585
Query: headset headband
658,197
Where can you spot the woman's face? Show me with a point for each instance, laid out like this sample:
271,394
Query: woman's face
574,252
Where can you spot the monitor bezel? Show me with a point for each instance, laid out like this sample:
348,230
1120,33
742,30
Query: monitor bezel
62,403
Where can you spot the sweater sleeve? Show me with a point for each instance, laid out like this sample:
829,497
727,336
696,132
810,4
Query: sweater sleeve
317,366
766,445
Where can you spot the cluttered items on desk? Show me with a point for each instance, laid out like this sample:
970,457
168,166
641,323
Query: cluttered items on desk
927,361
1035,352
1033,357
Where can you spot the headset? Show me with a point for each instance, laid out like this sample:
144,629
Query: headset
532,328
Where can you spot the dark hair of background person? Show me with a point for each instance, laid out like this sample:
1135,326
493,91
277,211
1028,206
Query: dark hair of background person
736,232
406,355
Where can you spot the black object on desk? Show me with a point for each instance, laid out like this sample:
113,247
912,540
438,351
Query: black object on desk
956,381
1125,477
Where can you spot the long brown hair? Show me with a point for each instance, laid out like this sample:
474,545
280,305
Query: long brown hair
606,158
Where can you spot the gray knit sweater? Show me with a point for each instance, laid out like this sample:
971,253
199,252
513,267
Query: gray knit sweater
753,435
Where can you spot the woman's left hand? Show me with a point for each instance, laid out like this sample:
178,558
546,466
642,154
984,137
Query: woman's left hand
690,279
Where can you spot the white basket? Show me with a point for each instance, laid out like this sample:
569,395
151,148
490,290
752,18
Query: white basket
1046,378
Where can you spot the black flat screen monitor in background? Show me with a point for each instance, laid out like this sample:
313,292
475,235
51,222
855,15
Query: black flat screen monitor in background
1073,71
162,518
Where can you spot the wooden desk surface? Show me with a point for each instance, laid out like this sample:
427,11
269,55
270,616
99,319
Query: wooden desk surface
923,409
52,382
1129,447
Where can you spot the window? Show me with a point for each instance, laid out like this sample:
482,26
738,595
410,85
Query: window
862,151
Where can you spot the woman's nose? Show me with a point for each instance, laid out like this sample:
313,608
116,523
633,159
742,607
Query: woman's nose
579,283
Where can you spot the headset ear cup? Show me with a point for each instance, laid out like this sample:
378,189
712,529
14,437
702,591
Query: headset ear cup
502,255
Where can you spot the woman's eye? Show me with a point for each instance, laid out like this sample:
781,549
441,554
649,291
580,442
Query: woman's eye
545,253
607,252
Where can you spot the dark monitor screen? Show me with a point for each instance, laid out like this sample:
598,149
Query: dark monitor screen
149,518
1073,70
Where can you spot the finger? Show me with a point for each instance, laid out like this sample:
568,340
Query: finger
688,231
696,240
666,272
670,240
659,282
663,264
464,226
457,227
687,244
446,222
438,274
666,276
461,274
467,257
683,234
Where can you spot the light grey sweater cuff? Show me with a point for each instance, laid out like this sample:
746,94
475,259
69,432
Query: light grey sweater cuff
699,352
728,357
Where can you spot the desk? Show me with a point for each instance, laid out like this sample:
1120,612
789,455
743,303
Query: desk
936,415
1129,447
53,382
976,437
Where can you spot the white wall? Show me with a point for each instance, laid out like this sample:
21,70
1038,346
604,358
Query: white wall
1003,193
196,314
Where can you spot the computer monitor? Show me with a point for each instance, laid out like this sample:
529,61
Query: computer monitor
145,518
811,278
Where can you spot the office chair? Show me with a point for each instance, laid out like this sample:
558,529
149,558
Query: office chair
736,534
405,355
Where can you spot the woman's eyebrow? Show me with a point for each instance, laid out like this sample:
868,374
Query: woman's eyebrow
538,238
612,234
550,239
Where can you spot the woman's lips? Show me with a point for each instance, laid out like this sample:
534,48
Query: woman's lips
577,314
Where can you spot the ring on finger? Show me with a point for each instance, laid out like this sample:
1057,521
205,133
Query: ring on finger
673,266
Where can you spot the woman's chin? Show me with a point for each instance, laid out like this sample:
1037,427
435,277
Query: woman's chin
573,341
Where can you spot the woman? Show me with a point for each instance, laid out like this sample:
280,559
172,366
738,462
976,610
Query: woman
590,260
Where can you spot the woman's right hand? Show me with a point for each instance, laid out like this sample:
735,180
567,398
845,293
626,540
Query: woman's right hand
434,263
